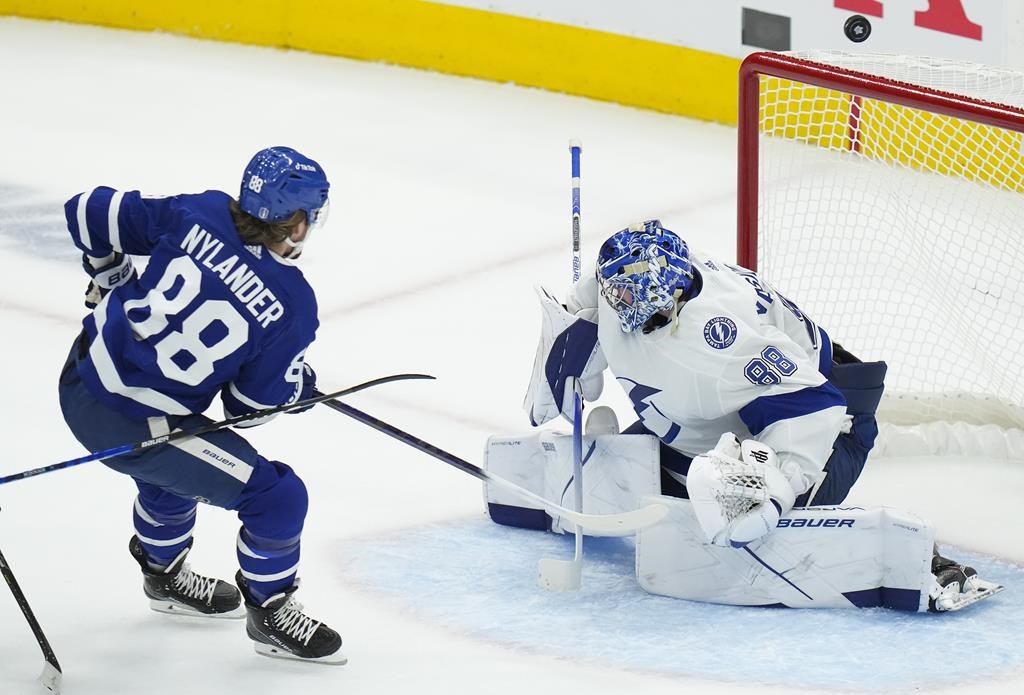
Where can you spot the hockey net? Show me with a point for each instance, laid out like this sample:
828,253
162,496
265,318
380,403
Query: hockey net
885,195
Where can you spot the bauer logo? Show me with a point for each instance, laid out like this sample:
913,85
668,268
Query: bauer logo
815,523
720,332
218,458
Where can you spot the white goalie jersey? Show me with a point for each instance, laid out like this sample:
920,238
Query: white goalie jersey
739,357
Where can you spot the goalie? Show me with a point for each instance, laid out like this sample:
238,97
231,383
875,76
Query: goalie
757,411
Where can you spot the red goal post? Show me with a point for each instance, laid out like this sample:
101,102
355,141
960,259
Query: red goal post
885,195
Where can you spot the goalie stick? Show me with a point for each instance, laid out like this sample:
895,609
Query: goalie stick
554,574
598,523
206,429
51,675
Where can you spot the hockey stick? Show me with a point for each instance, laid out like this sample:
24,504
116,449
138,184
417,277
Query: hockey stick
612,524
553,574
206,429
51,675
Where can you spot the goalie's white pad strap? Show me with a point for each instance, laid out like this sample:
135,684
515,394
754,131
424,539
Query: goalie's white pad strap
817,557
618,470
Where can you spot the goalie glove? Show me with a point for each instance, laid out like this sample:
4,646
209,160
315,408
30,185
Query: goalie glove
738,493
106,273
568,357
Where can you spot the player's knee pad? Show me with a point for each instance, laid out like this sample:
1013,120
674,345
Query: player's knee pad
274,502
861,383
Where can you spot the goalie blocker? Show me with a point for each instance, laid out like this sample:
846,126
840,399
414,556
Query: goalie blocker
814,557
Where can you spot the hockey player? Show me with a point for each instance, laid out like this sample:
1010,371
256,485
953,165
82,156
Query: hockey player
710,355
221,310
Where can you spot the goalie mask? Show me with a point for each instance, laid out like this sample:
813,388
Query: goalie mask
641,271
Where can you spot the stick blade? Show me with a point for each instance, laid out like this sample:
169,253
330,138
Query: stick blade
559,575
51,678
620,524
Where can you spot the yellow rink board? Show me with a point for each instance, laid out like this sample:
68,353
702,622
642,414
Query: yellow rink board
445,38
562,58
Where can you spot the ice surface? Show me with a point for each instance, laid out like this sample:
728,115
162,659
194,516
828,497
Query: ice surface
450,199
612,620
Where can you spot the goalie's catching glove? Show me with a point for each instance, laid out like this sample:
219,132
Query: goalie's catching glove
106,273
738,493
568,356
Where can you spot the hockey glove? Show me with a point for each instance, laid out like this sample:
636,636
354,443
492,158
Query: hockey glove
307,389
568,357
738,493
106,273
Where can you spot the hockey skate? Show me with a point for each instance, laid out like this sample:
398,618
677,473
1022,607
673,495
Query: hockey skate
178,590
279,629
957,586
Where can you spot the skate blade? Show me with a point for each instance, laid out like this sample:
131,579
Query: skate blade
172,608
961,601
335,659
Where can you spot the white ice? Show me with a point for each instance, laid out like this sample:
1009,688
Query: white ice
450,199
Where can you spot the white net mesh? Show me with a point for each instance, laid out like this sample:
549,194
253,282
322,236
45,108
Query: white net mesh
743,487
899,231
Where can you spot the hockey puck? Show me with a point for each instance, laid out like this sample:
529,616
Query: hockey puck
857,28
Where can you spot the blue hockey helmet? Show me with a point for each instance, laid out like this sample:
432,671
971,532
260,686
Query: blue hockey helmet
278,182
640,270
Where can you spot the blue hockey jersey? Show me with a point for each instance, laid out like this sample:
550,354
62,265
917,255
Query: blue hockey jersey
209,315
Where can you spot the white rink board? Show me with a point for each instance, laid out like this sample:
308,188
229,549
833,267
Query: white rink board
715,26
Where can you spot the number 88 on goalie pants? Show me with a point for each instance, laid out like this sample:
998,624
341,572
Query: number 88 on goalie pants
219,468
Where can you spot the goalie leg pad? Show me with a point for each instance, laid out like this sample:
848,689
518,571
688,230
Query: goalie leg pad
821,557
520,460
674,464
618,470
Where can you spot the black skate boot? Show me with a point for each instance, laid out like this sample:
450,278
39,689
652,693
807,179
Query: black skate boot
177,589
956,586
279,628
